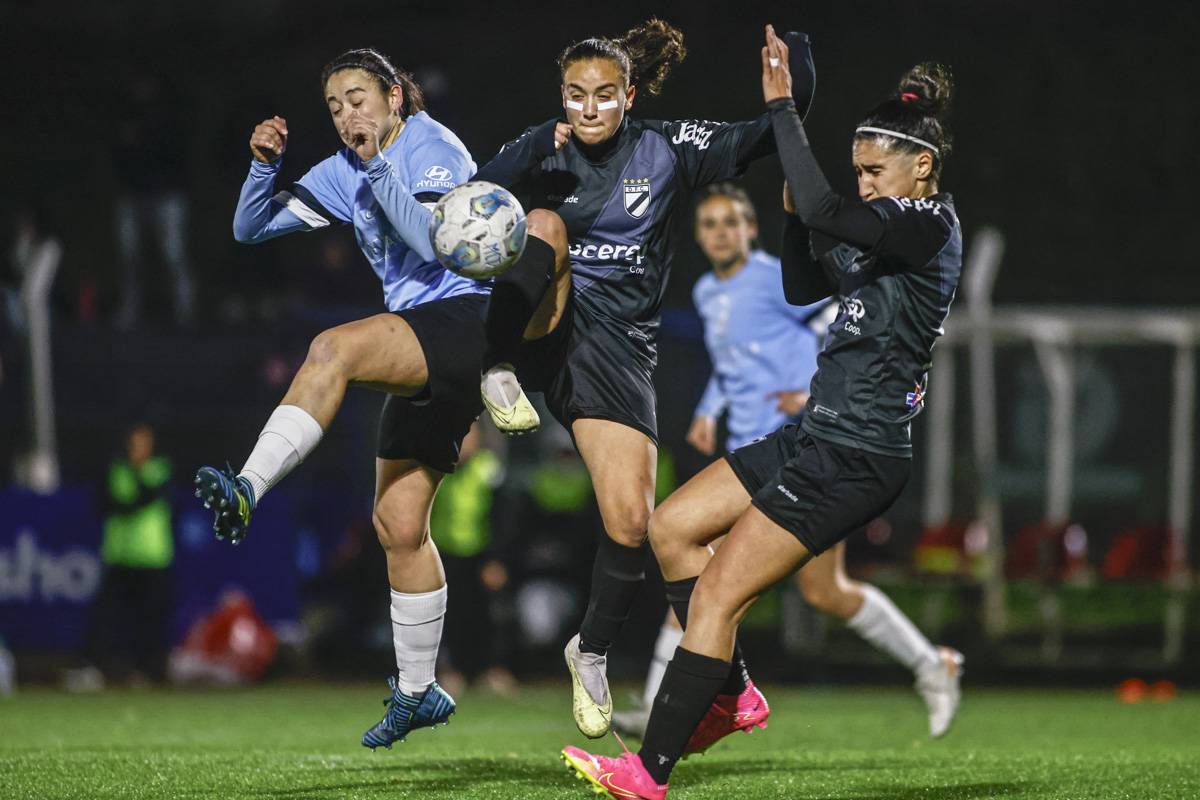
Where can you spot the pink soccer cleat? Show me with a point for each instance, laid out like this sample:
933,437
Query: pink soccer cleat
729,714
623,777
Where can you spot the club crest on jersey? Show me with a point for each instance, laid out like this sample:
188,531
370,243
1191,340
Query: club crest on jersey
637,196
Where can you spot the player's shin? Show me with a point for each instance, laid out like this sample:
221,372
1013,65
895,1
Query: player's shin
291,433
679,595
515,297
617,574
691,683
416,633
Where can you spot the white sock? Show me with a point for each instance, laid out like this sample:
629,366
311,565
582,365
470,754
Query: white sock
669,638
886,627
416,633
288,437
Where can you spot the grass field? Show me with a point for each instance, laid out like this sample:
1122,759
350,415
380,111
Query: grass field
301,741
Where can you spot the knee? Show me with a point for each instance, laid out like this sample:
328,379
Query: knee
550,228
628,526
664,531
841,599
325,349
399,534
713,600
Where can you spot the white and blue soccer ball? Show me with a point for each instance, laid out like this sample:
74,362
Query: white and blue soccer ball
478,230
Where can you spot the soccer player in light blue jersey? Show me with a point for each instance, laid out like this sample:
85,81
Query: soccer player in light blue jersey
424,354
764,353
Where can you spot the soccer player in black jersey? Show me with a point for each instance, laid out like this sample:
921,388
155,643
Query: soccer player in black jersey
894,258
576,318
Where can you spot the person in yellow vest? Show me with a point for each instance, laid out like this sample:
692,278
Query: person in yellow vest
461,526
132,608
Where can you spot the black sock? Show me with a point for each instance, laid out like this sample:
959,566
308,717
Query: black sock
515,297
688,688
679,595
616,575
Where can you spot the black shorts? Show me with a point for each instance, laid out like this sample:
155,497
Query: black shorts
430,427
817,490
588,370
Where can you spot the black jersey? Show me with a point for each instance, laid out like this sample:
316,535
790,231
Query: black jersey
872,372
619,202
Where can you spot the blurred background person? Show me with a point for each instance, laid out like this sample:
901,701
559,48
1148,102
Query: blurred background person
478,637
128,626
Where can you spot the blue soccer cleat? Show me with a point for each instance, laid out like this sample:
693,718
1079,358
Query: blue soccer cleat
231,499
407,713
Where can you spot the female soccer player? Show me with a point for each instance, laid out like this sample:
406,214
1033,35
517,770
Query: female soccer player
764,353
894,259
395,162
616,185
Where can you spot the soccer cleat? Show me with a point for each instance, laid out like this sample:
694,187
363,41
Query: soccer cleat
939,688
406,713
729,714
631,723
591,702
231,499
506,402
622,777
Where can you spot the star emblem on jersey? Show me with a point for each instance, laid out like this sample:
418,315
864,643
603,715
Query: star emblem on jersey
637,196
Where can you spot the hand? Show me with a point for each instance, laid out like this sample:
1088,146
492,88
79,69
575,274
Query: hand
562,132
789,205
790,403
269,140
362,134
702,435
777,76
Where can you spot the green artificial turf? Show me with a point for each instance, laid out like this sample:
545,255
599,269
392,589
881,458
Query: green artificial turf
301,741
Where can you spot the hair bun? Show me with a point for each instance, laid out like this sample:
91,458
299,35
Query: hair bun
928,88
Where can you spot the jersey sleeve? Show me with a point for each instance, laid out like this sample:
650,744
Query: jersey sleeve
434,167
717,151
519,160
319,198
258,217
914,230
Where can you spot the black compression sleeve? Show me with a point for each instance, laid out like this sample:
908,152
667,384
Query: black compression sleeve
804,72
804,280
817,204
520,158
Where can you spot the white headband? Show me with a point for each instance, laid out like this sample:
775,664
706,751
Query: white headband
898,135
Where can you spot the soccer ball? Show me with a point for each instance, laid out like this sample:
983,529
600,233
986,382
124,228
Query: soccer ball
477,230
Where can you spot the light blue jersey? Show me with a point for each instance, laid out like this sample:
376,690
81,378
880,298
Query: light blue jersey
388,199
758,344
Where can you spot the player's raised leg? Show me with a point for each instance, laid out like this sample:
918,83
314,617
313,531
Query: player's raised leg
404,493
528,301
380,352
873,616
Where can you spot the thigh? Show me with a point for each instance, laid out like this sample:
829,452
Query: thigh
380,352
704,508
826,570
622,462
